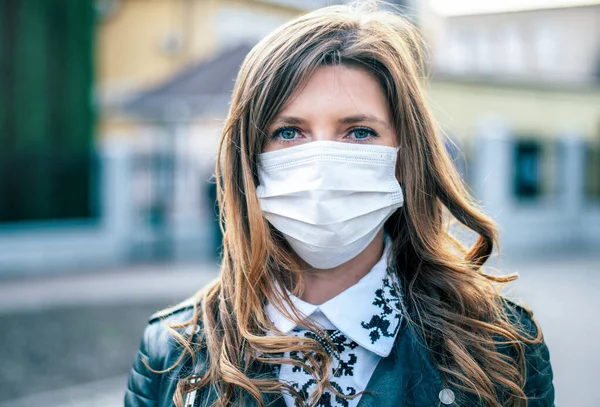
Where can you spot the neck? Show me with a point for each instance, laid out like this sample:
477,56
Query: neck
322,285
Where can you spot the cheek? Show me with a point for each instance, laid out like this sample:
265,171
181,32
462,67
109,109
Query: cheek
269,147
388,139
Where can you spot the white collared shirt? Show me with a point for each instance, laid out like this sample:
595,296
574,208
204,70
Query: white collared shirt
362,322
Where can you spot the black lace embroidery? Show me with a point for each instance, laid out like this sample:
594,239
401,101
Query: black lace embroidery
385,298
326,398
346,361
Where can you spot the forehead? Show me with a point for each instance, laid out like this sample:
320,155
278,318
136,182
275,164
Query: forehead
338,89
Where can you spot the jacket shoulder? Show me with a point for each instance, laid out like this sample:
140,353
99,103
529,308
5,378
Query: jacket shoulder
158,343
539,375
179,312
158,353
521,315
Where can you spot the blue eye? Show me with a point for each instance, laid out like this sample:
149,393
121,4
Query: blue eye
285,134
361,134
288,134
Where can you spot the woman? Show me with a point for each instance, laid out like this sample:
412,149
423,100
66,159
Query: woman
340,283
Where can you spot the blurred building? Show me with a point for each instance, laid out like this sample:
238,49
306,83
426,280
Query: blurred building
552,45
141,43
519,91
516,91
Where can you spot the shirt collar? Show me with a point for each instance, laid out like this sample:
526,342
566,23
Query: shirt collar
367,312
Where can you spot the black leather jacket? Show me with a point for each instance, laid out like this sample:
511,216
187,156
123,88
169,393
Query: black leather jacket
407,377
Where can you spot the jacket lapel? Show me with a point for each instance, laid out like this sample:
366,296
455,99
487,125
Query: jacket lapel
405,378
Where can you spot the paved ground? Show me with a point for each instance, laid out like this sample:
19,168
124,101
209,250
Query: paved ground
140,283
90,325
69,340
564,293
100,393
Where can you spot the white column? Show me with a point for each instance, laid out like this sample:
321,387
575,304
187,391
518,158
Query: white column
491,167
117,211
572,173
572,179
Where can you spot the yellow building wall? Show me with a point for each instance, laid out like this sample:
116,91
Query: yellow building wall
130,51
129,43
544,113
130,55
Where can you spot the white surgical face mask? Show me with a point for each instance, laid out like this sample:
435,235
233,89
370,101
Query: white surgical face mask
329,199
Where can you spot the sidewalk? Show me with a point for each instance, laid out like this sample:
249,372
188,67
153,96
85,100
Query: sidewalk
69,340
102,393
133,284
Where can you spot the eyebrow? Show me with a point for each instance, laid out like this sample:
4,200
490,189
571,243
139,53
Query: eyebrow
357,118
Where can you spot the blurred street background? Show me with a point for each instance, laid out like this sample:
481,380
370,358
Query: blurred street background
110,112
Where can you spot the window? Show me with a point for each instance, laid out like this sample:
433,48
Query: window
592,170
513,49
536,169
546,48
527,176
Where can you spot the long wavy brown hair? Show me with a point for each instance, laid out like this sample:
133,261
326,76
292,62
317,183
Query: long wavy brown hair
450,301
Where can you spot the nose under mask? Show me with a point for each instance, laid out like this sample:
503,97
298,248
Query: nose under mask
329,199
